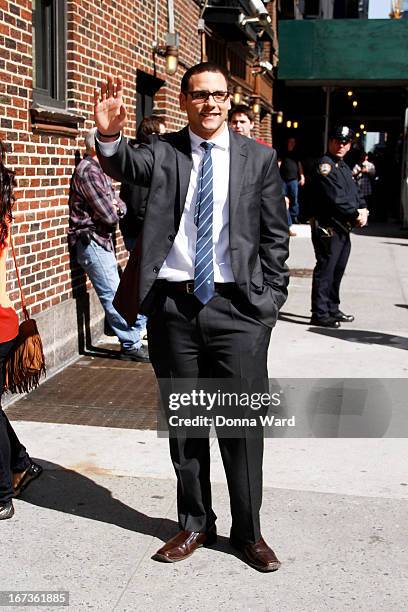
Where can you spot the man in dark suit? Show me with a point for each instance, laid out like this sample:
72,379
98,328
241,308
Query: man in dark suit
209,271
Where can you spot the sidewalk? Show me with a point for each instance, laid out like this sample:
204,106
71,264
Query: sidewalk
334,510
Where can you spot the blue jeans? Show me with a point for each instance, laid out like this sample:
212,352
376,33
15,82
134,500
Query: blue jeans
102,269
130,244
291,190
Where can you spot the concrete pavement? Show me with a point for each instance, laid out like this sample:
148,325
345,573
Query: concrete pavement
374,289
334,510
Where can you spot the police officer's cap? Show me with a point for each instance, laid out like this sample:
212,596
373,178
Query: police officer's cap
342,133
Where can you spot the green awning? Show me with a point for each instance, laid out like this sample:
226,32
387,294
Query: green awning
332,50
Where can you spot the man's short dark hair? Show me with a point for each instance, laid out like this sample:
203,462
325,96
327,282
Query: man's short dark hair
244,109
198,69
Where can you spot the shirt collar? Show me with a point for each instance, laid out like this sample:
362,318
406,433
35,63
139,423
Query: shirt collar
221,141
93,160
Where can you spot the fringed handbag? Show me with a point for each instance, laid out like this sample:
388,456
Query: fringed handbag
25,364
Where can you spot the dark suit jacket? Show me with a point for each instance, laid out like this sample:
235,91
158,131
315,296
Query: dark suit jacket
135,198
257,217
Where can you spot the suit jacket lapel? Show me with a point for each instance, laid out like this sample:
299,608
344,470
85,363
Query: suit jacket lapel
238,157
182,145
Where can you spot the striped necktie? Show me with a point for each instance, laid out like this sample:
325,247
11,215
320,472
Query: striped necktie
203,219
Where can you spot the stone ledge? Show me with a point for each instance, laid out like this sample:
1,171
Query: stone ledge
55,121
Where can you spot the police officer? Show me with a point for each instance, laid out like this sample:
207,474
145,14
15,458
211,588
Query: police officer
337,208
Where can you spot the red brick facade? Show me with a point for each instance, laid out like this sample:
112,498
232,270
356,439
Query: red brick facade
112,36
103,37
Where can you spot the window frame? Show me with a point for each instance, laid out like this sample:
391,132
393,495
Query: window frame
53,95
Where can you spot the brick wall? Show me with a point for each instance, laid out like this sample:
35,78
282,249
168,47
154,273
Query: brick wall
265,129
102,37
111,36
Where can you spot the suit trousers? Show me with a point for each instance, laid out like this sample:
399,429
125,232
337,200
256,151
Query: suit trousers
331,259
220,340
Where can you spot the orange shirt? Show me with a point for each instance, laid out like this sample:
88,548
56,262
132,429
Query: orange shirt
8,324
8,316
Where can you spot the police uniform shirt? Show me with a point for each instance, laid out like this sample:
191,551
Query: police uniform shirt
337,194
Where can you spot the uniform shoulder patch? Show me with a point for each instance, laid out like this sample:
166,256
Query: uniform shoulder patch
325,168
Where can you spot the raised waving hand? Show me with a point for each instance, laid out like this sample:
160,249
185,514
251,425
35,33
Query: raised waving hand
109,112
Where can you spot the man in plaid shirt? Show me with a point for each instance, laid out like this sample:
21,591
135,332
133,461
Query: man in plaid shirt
94,212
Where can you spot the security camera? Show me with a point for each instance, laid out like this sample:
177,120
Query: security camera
266,65
259,9
260,16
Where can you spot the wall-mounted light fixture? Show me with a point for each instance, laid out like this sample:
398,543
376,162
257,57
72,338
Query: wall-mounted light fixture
349,93
256,105
362,126
288,124
279,116
237,95
295,124
355,103
169,51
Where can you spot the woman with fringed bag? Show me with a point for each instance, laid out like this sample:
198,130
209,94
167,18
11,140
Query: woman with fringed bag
17,470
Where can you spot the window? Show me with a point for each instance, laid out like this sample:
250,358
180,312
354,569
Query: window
216,51
237,65
49,52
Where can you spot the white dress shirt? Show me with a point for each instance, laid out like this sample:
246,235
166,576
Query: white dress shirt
179,263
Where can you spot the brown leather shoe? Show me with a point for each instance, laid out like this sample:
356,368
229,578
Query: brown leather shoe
258,555
183,544
22,479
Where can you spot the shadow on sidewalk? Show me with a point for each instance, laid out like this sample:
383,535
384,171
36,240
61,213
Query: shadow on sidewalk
364,337
291,317
386,229
102,352
397,243
67,491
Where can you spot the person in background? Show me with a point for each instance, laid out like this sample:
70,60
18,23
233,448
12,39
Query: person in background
94,212
292,174
241,119
135,196
338,207
364,173
17,470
